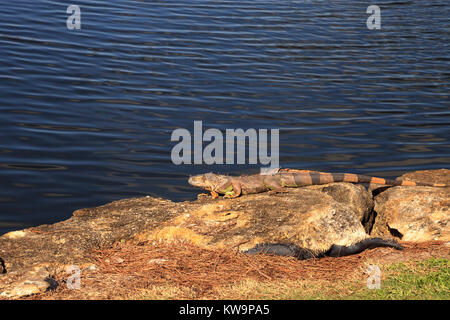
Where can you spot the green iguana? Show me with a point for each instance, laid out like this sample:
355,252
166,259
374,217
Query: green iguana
232,187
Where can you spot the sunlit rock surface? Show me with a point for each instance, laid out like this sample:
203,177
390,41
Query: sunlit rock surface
415,213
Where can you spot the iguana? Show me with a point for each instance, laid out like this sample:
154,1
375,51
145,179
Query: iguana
232,187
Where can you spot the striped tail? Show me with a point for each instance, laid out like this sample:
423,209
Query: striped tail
348,177
315,178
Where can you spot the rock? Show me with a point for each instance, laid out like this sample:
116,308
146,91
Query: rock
32,282
431,176
90,267
157,261
314,218
415,213
118,260
26,288
70,241
353,195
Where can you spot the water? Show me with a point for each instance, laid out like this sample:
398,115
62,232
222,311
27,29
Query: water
87,115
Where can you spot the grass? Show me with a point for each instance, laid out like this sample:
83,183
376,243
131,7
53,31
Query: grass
423,280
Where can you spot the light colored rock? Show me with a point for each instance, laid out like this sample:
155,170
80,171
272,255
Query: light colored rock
26,288
354,196
314,218
15,234
118,260
32,282
415,213
90,267
157,261
71,241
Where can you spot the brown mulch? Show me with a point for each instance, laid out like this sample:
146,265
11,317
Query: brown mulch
125,268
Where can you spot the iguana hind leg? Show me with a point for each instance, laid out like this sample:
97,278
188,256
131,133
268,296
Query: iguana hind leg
237,190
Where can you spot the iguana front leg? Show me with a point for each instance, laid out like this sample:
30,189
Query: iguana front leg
214,194
236,192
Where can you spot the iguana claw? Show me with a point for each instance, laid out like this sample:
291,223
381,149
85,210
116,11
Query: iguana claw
214,194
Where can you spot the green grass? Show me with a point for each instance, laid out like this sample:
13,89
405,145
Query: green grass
423,280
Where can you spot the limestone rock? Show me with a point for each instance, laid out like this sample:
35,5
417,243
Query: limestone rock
354,196
70,241
26,288
308,217
35,281
415,213
431,176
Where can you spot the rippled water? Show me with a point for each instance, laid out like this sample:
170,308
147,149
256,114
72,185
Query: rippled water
86,115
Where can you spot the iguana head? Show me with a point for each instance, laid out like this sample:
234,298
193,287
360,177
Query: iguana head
209,181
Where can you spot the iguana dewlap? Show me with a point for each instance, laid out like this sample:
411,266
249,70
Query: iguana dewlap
235,186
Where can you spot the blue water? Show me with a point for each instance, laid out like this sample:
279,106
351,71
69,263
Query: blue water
87,115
